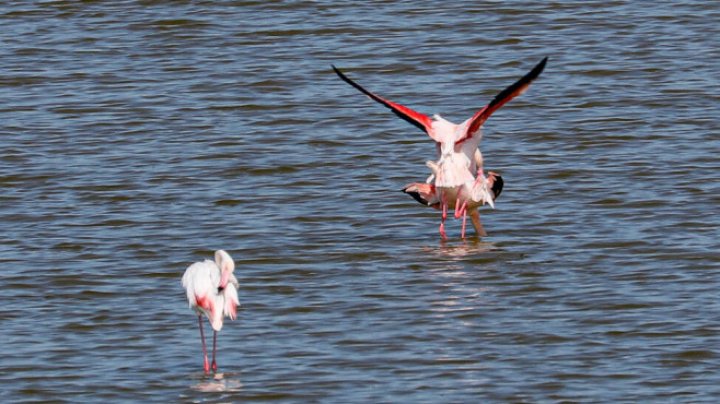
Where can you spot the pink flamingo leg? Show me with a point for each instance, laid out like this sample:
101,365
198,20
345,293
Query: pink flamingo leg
444,216
475,217
461,210
214,365
462,233
206,366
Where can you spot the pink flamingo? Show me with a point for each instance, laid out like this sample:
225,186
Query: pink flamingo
458,180
211,290
427,194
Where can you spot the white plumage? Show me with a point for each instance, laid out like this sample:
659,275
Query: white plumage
211,290
456,162
201,282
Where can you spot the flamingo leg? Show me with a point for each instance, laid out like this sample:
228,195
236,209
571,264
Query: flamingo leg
214,365
461,210
462,233
475,217
206,366
444,216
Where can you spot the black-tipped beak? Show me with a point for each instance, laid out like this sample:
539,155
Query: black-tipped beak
497,186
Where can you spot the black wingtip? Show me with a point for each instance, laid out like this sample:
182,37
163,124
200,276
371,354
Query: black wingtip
347,79
534,73
538,68
525,80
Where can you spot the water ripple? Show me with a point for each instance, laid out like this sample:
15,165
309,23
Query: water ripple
139,139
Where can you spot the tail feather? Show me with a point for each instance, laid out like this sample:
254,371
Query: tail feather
231,301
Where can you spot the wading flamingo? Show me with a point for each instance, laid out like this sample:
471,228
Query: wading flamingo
211,290
426,193
458,180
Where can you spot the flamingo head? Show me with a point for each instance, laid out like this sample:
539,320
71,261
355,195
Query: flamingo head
422,192
496,183
226,265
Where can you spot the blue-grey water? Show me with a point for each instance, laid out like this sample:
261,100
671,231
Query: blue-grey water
138,136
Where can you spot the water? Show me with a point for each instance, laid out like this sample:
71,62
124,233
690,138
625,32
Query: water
137,137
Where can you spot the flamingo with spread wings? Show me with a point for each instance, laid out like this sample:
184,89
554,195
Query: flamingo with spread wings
458,180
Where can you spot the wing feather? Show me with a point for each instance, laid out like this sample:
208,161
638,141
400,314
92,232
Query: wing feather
501,99
421,121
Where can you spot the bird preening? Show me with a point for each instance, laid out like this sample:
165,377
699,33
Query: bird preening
457,180
211,290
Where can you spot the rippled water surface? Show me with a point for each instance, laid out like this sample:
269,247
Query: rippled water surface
139,136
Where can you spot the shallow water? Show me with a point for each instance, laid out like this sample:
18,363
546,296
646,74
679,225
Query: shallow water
137,137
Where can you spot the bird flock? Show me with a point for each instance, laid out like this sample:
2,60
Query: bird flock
457,181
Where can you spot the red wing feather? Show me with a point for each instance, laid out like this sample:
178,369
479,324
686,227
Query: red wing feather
501,99
421,121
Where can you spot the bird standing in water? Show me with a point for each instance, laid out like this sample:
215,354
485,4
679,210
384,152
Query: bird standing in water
211,290
457,180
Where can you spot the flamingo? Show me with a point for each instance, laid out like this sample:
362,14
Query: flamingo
458,180
427,194
211,290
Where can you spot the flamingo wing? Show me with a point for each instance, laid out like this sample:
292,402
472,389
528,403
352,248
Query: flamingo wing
517,88
421,121
200,281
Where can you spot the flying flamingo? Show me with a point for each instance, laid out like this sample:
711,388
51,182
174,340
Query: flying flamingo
211,290
458,180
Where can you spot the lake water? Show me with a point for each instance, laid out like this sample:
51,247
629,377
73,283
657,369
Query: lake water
139,136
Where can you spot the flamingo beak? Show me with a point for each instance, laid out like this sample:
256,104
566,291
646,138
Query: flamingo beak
496,184
224,278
